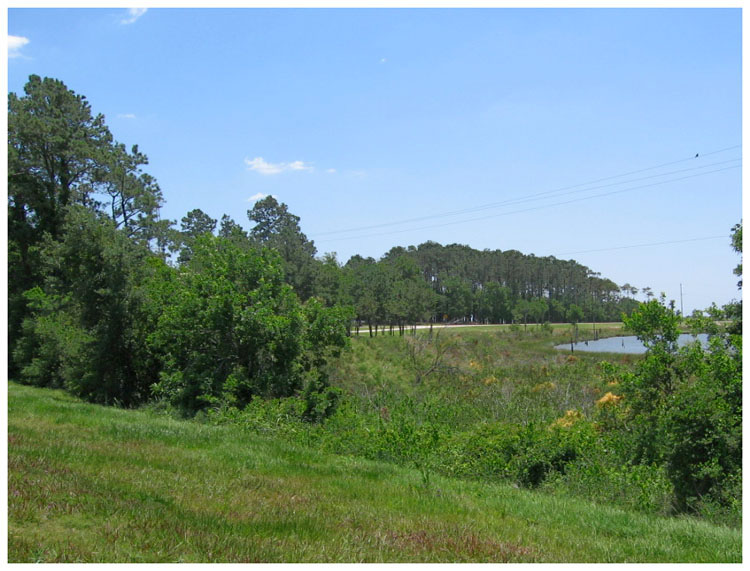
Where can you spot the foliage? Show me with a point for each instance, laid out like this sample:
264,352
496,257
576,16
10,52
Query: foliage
686,407
194,224
574,314
703,426
87,324
327,333
275,227
543,451
228,328
737,247
52,349
734,309
656,325
57,153
61,155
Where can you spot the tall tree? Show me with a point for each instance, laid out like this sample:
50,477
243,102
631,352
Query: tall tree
134,196
409,298
60,154
458,297
194,224
231,230
275,227
365,288
329,280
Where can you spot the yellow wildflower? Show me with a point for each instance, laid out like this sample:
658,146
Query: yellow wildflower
570,418
608,400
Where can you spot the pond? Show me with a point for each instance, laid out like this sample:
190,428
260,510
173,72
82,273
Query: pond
629,344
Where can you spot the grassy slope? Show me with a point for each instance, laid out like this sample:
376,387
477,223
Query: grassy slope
89,483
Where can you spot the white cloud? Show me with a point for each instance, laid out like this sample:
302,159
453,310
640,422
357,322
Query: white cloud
383,60
263,167
299,166
133,15
126,115
259,196
15,43
332,171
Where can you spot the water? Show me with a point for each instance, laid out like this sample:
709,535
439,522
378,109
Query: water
629,344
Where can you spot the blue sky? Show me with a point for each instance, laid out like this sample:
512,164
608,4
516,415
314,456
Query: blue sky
497,128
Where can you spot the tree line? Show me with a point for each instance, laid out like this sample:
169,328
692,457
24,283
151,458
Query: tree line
428,283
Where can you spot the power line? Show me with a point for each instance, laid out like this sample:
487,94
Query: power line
525,209
540,194
534,197
644,245
530,198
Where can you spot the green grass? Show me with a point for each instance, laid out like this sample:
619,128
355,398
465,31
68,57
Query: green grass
95,484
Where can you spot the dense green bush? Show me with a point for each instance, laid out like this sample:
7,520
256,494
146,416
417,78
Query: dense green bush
484,452
545,451
703,425
52,347
685,408
229,328
87,322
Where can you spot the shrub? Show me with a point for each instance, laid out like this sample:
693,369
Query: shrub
685,408
228,329
319,399
484,452
543,451
86,326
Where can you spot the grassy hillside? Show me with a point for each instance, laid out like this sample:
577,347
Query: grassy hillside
96,484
